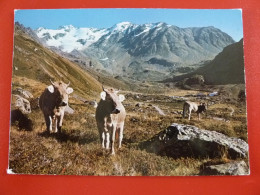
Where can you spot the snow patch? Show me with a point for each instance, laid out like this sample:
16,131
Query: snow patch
69,41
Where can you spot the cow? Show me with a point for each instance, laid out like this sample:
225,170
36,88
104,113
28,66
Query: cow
110,117
192,106
53,102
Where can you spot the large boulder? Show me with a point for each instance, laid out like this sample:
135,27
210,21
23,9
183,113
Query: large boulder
180,140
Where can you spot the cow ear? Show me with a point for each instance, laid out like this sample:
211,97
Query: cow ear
50,88
121,98
103,95
69,90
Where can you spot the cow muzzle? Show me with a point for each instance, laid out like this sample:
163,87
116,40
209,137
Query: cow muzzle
116,111
63,104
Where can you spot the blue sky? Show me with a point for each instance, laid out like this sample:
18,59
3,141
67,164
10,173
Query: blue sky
227,20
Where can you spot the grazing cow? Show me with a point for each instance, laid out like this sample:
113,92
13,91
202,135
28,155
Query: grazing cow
53,102
110,117
192,106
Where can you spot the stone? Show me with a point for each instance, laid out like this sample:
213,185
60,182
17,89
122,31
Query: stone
69,110
232,168
24,93
21,103
180,140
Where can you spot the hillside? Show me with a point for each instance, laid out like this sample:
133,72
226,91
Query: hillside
226,68
34,62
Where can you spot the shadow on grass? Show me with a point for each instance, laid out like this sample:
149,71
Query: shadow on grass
74,136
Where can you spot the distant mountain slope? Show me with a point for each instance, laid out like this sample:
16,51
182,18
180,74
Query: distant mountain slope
226,68
33,61
119,47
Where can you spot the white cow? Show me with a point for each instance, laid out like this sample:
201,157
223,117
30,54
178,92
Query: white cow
110,117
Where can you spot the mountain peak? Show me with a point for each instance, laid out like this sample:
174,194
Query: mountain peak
67,27
122,26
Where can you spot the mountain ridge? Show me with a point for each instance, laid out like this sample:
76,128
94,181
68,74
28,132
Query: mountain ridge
119,47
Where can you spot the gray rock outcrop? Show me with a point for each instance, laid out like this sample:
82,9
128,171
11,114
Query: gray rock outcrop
180,140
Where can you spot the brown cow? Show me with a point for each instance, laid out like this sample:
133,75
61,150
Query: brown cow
53,102
110,117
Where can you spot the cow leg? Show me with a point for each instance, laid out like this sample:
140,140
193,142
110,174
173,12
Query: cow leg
60,119
121,130
189,114
48,121
107,139
113,139
57,119
103,139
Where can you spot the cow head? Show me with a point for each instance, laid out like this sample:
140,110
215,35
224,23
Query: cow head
113,99
202,107
61,92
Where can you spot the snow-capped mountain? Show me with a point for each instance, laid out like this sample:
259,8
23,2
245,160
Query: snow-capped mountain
127,48
68,38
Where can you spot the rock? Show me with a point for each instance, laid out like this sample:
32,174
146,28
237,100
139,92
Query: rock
69,110
195,80
93,103
24,93
21,103
159,110
180,140
220,119
233,168
137,105
134,119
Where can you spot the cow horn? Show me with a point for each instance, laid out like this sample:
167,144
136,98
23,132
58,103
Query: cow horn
117,90
52,82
